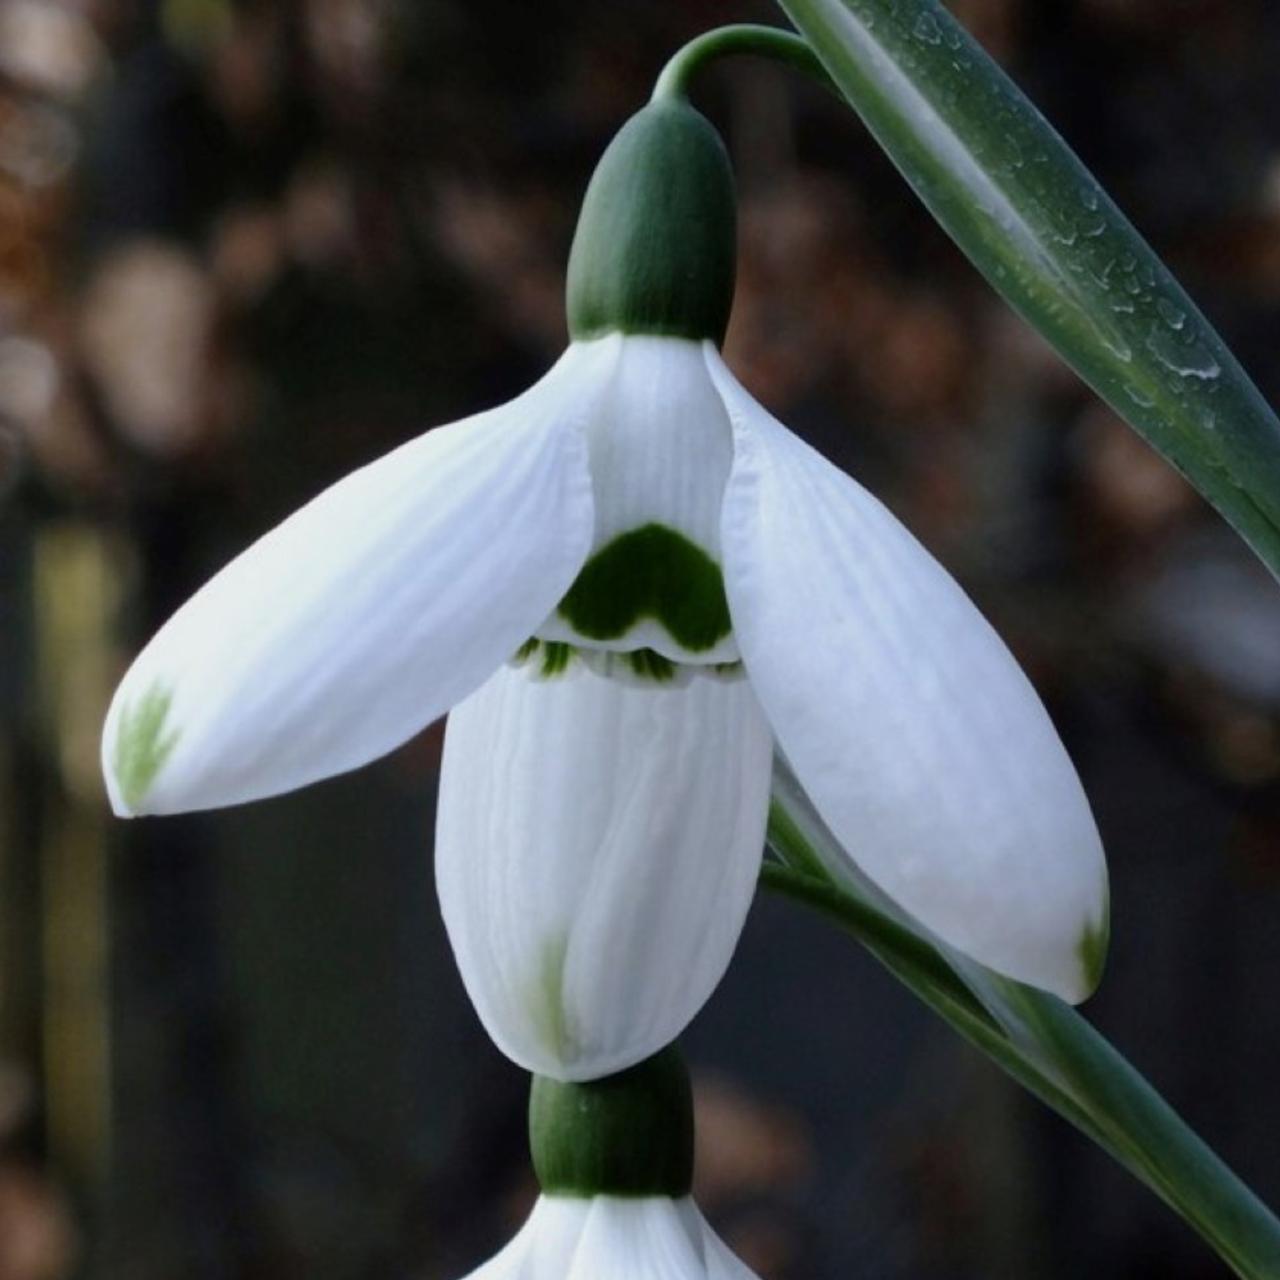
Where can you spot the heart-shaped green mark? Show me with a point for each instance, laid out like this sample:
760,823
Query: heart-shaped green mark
650,572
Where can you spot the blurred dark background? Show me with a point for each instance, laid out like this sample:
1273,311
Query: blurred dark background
247,245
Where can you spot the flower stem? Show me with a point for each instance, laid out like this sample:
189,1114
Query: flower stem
767,42
1042,1043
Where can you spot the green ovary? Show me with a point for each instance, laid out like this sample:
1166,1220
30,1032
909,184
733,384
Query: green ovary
651,572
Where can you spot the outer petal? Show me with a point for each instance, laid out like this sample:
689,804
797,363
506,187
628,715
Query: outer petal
597,848
643,1239
367,613
544,1246
614,1238
920,741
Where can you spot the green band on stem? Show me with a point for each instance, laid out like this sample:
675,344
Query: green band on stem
630,1134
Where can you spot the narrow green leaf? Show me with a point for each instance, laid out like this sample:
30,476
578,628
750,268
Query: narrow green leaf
1041,1042
1036,223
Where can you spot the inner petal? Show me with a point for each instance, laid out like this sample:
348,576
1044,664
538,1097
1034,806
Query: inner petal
550,659
597,847
660,448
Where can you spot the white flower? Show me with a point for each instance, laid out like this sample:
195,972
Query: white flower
678,581
614,1238
684,581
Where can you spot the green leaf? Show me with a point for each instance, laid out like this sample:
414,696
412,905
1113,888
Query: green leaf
1036,223
1040,1041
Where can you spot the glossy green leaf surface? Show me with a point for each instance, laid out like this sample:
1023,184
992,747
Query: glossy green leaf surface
1039,1040
1036,223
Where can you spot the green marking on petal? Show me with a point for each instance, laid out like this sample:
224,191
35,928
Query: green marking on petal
547,997
648,664
549,658
556,656
650,572
727,668
1091,950
142,745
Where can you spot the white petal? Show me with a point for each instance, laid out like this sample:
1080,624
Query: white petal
367,613
616,1238
544,1246
920,741
661,448
640,1239
597,847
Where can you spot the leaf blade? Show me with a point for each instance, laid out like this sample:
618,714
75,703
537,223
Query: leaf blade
1035,222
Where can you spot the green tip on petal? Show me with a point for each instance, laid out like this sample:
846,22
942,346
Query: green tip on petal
547,998
142,745
1091,950
648,664
630,1134
545,659
650,572
556,656
655,251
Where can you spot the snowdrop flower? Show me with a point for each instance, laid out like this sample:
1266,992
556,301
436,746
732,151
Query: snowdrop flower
614,1159
623,1238
630,582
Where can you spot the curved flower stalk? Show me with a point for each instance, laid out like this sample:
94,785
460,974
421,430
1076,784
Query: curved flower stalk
630,582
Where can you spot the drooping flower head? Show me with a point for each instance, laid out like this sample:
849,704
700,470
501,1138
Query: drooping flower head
630,583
